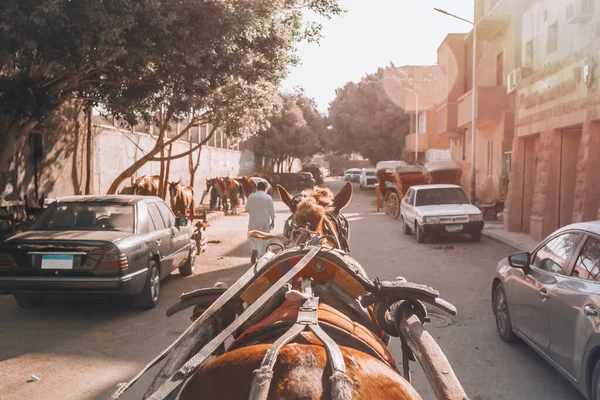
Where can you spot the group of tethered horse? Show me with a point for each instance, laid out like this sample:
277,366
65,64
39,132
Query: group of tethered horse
304,322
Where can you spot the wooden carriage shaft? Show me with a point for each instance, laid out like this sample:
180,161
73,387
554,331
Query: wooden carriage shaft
195,362
440,375
189,332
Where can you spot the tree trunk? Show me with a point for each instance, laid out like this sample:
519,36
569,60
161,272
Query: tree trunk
88,152
13,141
167,172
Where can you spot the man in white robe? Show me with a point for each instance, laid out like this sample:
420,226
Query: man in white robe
262,218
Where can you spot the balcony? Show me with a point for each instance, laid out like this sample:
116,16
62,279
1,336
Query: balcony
427,141
491,102
447,120
491,16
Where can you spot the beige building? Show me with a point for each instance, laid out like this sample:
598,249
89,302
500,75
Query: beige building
555,154
498,54
422,82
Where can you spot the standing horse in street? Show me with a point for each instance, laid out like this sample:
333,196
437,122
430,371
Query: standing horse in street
146,185
182,199
247,188
227,191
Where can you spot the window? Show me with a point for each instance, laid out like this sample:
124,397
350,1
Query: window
423,122
409,196
552,38
588,262
87,217
167,215
529,58
490,158
555,254
506,164
432,197
195,134
500,69
155,217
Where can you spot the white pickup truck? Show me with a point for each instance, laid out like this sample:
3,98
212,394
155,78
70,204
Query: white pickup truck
435,209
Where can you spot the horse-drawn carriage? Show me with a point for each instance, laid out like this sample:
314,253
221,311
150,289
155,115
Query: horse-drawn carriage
306,322
444,172
394,178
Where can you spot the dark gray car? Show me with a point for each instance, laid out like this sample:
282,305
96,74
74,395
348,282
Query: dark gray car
101,245
550,298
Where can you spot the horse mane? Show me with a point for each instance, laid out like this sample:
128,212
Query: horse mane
322,196
309,212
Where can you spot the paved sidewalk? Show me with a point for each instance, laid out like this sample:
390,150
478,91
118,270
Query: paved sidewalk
520,241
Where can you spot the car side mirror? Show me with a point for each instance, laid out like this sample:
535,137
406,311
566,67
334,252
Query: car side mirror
519,260
181,221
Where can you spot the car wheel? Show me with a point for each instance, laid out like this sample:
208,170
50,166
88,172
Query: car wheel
30,300
151,292
476,236
420,234
595,383
406,229
187,269
503,315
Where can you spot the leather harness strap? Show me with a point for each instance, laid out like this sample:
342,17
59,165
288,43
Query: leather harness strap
192,365
307,319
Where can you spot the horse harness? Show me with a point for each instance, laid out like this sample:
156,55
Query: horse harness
336,225
384,297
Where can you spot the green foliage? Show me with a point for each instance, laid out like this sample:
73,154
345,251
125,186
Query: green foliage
295,130
367,120
134,57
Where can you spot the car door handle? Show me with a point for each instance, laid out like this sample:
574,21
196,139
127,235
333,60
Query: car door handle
590,311
158,242
544,294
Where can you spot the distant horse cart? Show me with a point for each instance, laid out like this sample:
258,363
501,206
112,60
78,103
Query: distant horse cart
306,322
394,178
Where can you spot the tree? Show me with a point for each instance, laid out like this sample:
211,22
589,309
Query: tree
134,58
367,118
294,131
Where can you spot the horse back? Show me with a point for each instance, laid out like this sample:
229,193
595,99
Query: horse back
301,372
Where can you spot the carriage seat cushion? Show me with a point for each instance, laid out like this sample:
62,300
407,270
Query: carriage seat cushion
288,311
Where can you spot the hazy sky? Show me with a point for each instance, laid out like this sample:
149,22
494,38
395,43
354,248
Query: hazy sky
371,34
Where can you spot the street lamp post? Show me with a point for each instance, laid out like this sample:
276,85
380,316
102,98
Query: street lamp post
416,123
473,100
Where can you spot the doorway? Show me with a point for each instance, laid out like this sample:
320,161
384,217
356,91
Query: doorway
530,146
570,141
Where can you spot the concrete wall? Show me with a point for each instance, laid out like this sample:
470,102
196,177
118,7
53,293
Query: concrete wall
61,171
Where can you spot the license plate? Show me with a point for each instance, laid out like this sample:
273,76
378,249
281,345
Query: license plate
57,261
454,228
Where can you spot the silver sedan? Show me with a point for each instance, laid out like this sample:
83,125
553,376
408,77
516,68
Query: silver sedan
550,298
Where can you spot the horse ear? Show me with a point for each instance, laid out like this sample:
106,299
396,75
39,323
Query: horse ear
343,197
177,183
286,198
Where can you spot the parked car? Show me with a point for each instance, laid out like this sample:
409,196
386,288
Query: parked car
352,175
368,179
100,245
436,209
305,180
550,298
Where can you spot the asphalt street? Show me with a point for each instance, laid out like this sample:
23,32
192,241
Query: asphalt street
81,348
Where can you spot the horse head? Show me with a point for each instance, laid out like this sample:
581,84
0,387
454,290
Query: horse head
317,213
174,188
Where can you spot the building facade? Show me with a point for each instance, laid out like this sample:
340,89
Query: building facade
421,81
555,152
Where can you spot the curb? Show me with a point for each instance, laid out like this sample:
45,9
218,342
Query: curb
500,238
213,216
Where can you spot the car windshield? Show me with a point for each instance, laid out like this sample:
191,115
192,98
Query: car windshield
370,173
433,197
87,217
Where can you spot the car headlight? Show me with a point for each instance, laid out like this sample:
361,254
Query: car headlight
476,217
431,220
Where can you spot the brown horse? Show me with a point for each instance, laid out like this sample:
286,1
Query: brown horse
248,187
182,199
302,370
146,185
